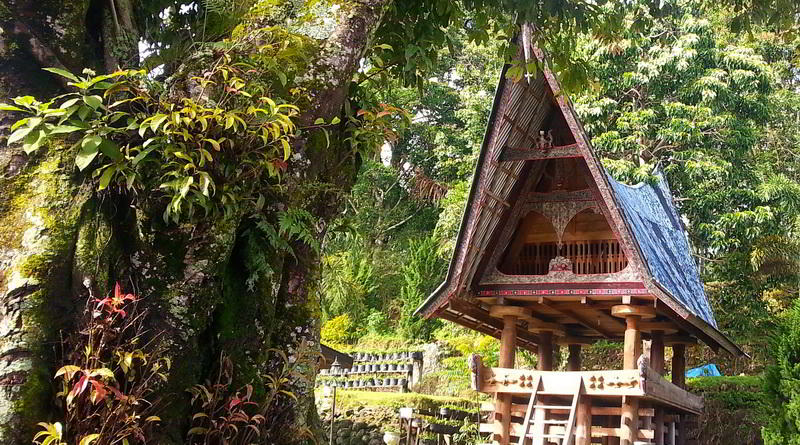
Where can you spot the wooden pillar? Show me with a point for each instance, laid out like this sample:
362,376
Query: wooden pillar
545,364
508,341
574,363
545,351
671,435
679,365
633,342
657,363
583,420
679,379
629,423
658,430
632,313
657,351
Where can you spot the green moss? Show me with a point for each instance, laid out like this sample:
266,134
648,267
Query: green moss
46,209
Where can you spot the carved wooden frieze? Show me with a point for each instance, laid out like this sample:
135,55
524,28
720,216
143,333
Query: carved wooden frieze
560,213
537,153
628,274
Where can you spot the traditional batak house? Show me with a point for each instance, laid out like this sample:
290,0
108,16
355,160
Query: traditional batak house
552,250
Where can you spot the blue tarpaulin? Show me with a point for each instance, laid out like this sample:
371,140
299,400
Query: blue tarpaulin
709,370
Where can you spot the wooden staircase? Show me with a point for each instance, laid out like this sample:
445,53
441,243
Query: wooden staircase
546,413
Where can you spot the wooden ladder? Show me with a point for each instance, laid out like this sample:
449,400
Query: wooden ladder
568,425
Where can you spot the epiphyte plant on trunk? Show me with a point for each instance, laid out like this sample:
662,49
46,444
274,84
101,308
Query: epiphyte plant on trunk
111,380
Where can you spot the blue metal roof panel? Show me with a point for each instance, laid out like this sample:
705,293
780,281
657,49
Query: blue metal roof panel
658,230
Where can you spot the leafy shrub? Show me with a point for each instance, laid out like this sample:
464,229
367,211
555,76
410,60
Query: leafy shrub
228,417
377,323
338,330
422,271
110,379
783,380
736,409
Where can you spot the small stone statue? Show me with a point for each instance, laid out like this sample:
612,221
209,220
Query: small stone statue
474,364
545,140
643,363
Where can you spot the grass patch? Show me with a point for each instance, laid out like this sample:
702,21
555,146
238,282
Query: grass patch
352,399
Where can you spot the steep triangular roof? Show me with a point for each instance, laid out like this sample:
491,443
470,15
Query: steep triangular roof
643,217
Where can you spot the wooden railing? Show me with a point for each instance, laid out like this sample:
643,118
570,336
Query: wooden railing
662,407
587,257
596,383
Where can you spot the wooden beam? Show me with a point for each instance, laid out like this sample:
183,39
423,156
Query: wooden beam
505,170
626,310
582,320
496,197
679,339
483,316
518,410
664,326
657,351
599,431
583,423
575,340
534,153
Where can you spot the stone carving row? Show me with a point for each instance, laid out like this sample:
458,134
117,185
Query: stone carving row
366,383
388,356
370,368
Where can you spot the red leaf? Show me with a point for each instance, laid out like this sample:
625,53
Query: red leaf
117,291
280,164
116,393
79,387
99,391
234,401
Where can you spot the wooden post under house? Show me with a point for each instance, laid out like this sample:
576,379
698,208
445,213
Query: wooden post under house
567,255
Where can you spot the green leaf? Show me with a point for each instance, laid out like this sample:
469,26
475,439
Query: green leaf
83,112
157,121
88,151
213,143
287,150
24,100
19,123
197,430
87,440
68,371
61,129
63,73
7,107
93,101
319,121
33,141
70,102
19,134
142,155
108,173
110,149
335,120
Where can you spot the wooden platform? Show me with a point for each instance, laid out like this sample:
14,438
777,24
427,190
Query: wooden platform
601,384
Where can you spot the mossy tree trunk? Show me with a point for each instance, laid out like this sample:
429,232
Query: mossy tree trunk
60,240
